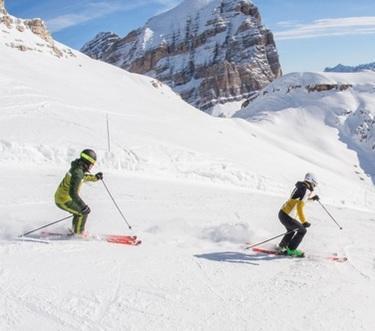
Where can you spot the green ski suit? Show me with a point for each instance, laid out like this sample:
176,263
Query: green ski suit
67,194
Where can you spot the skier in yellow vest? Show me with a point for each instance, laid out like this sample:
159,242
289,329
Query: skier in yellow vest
67,194
301,193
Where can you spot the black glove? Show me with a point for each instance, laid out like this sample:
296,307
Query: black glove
99,176
85,210
306,225
315,198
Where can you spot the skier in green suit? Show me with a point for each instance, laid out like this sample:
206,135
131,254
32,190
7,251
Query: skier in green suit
67,194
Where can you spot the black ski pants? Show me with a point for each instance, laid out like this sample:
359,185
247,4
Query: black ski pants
292,239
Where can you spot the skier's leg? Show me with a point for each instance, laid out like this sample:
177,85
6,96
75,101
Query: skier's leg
79,220
296,240
289,224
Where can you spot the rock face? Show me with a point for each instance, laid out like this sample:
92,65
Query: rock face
2,7
100,45
362,124
28,35
208,51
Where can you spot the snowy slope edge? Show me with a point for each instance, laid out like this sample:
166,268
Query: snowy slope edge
343,101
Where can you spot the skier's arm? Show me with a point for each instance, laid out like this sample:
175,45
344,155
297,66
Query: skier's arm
89,177
315,198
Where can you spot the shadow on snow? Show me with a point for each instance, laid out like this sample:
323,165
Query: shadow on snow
236,257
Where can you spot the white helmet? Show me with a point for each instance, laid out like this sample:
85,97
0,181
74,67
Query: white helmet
311,178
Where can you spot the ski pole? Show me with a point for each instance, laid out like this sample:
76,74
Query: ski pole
44,226
267,240
115,203
340,227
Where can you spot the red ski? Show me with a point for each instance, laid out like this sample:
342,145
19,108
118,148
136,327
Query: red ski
117,239
333,257
111,238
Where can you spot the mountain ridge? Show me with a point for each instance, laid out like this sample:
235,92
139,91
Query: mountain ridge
345,68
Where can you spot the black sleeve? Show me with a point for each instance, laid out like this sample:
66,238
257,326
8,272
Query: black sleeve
299,193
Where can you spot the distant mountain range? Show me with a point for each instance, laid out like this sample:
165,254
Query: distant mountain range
344,68
208,51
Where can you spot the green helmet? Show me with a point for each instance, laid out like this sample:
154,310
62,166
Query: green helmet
88,156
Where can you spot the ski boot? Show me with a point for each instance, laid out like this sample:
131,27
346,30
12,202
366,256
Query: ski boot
295,252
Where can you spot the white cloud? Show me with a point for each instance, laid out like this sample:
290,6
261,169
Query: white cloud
329,27
166,5
287,24
91,11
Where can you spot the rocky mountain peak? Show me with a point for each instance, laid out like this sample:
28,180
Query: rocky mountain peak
101,43
28,35
208,51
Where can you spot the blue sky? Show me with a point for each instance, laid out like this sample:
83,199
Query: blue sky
310,34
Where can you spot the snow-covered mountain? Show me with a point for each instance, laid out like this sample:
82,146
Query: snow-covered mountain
100,45
344,68
195,188
209,51
345,102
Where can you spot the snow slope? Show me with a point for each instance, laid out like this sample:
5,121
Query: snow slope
52,108
342,104
190,273
194,187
